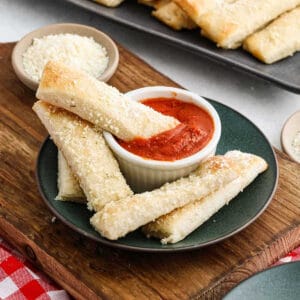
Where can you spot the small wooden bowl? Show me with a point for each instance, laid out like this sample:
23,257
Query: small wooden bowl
99,37
289,130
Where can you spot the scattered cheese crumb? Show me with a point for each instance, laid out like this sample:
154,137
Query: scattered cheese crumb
77,51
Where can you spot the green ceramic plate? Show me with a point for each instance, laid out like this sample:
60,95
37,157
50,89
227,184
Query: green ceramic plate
277,283
237,133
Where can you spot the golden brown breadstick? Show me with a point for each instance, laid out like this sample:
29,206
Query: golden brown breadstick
176,225
109,3
87,154
173,16
118,218
154,3
68,186
99,103
230,24
197,8
278,40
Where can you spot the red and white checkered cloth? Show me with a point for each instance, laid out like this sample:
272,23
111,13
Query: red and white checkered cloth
19,280
292,256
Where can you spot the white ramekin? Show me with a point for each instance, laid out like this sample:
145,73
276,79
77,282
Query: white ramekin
145,174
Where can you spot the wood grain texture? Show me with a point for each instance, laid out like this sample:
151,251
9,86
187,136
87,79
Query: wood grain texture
90,271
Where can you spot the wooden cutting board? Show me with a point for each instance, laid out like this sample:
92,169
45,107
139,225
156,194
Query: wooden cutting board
88,270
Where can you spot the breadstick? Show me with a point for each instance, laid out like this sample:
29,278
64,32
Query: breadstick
176,225
230,24
87,154
109,3
278,40
197,8
121,217
173,16
68,186
101,104
154,3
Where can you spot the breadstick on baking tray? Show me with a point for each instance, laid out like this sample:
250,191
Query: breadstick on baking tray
195,9
229,24
87,154
152,3
170,13
173,16
68,186
118,218
176,225
278,40
99,103
109,3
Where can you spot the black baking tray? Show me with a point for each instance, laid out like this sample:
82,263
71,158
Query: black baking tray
285,73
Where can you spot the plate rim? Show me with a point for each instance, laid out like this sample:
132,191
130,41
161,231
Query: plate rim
218,58
116,245
269,269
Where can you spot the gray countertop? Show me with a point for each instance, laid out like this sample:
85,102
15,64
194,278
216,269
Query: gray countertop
266,105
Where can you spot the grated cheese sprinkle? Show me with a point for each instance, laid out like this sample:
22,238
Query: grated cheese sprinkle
77,51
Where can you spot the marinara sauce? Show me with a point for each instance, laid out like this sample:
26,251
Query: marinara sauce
191,135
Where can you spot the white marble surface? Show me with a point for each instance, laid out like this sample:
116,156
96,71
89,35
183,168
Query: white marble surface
266,105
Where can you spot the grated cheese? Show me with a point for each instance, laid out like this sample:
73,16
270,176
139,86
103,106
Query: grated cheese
77,51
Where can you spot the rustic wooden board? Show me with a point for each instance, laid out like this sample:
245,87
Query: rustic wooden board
90,271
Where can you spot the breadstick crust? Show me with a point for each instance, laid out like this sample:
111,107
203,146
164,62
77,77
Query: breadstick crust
109,3
121,217
86,153
173,16
178,224
68,186
154,3
101,104
197,8
230,24
278,40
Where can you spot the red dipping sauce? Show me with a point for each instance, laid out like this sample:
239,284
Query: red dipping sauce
192,135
